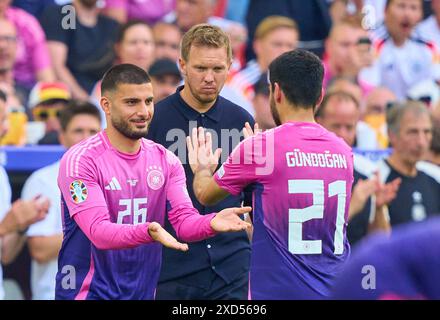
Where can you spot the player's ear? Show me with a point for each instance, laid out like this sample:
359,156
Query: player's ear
105,105
182,66
277,92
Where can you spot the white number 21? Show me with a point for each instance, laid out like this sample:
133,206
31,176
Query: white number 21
316,211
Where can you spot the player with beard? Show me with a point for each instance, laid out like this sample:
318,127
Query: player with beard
301,176
116,188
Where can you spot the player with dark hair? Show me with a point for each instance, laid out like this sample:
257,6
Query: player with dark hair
116,188
301,176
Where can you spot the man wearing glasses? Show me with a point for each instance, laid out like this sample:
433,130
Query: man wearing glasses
46,101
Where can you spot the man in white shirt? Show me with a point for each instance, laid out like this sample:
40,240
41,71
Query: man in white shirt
430,27
15,218
78,121
403,58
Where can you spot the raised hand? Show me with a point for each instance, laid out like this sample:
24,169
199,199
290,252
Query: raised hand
159,234
228,220
200,154
386,193
249,132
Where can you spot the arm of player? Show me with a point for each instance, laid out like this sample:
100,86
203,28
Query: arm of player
86,204
203,163
188,223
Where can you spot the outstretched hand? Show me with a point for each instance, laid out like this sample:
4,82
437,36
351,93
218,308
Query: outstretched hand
200,154
228,220
159,234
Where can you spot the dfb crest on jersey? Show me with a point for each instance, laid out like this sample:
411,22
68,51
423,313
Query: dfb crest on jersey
155,178
78,191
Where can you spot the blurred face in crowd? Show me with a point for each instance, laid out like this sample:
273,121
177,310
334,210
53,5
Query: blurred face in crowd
164,85
129,109
274,44
341,116
205,72
167,39
49,113
4,4
8,46
137,46
401,17
88,3
79,128
342,46
435,4
3,118
192,12
377,101
412,141
347,86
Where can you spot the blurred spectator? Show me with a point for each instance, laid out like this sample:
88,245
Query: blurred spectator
149,11
339,112
430,28
32,62
78,122
401,267
274,36
135,44
347,51
167,37
261,103
433,155
36,8
238,35
410,133
374,116
427,91
14,219
402,59
15,94
80,54
188,13
46,101
347,85
371,10
312,17
165,77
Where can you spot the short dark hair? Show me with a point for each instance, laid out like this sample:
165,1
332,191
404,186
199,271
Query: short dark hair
123,28
3,96
341,95
123,73
74,108
299,74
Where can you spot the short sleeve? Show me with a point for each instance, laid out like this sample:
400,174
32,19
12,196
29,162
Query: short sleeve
242,166
78,183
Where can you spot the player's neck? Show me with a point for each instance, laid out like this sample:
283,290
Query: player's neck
290,114
403,167
190,100
122,143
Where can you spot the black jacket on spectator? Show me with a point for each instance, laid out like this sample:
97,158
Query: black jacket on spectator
90,49
227,254
312,17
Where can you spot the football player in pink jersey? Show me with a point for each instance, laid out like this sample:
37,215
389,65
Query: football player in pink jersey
301,175
116,188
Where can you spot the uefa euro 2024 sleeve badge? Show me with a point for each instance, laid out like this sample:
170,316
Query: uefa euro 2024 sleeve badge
155,178
78,191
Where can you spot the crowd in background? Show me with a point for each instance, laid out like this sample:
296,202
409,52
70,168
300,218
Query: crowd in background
382,83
